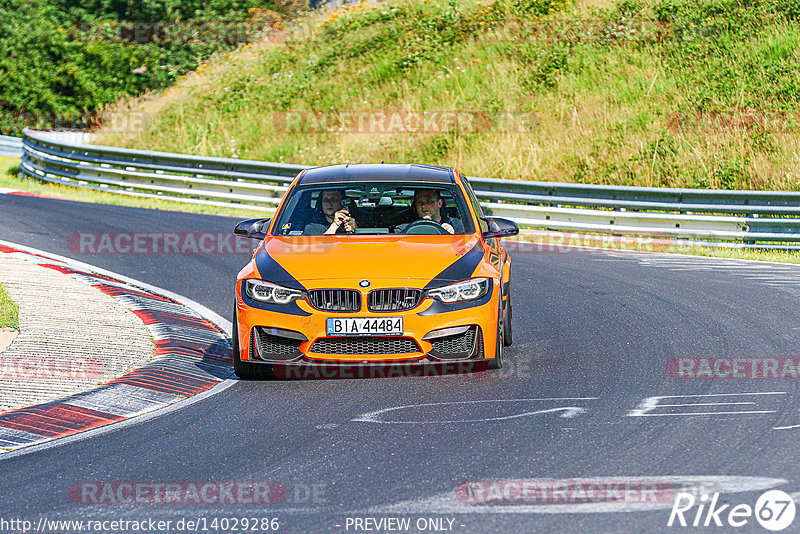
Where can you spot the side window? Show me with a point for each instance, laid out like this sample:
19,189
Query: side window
475,204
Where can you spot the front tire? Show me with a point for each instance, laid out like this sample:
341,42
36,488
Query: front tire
497,361
508,334
246,370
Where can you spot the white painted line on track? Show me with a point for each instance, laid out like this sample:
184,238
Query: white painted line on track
568,411
780,276
650,404
705,267
786,427
642,256
684,414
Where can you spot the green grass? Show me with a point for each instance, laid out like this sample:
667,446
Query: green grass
776,256
9,311
635,108
10,178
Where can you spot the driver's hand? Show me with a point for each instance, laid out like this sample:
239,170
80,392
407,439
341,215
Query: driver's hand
449,228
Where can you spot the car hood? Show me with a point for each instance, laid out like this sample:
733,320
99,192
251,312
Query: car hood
298,262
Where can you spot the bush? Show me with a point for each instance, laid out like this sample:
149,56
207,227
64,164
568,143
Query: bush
63,60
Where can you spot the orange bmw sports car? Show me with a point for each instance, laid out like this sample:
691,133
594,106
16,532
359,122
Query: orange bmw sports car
373,264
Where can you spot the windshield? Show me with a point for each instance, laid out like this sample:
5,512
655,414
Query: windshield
374,208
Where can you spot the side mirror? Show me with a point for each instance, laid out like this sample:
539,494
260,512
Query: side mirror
252,228
499,227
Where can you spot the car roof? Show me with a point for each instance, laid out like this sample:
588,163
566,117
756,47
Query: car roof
377,172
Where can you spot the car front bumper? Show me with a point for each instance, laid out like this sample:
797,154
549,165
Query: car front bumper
272,334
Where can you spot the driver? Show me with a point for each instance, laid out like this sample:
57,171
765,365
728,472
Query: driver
334,217
428,204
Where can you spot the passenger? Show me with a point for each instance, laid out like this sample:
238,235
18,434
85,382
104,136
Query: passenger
331,217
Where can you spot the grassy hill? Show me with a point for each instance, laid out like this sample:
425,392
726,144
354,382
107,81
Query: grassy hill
676,93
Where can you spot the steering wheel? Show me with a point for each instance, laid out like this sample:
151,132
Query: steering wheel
423,225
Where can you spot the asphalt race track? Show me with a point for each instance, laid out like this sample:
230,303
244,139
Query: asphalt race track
594,332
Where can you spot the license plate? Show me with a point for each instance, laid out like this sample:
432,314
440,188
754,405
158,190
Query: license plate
365,326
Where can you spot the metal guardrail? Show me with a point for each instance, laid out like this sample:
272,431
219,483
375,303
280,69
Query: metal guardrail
10,146
724,216
223,182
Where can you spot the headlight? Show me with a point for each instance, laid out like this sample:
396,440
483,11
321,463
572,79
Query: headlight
467,290
271,293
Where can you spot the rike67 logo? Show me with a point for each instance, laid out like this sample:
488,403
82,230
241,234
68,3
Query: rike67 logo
774,510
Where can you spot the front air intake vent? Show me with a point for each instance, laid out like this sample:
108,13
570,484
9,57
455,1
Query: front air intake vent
365,345
458,346
266,345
